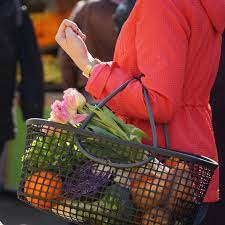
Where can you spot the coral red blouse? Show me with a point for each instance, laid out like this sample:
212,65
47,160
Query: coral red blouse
176,45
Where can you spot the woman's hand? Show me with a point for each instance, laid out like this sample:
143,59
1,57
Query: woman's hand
71,40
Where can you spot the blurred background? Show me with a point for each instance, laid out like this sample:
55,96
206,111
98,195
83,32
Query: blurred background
37,70
46,17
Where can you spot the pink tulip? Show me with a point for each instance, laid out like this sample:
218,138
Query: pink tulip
77,118
73,100
59,112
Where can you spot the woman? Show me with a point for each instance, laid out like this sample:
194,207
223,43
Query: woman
176,46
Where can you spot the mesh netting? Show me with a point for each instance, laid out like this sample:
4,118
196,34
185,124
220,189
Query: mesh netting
102,187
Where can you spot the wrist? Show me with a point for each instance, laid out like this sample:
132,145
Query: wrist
87,61
88,68
82,62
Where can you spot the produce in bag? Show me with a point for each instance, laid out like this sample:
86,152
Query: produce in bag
183,186
156,216
158,184
150,184
149,191
52,153
113,208
86,182
43,187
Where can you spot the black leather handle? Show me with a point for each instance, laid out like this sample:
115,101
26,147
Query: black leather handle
149,110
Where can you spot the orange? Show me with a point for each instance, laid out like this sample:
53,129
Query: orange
43,187
172,162
156,216
149,191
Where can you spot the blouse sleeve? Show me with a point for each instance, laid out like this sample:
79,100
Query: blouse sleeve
161,43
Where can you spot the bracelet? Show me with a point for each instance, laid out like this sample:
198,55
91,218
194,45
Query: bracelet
88,68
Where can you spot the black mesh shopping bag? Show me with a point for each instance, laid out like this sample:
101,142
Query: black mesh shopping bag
90,178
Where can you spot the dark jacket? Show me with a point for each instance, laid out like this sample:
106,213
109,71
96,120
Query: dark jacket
218,110
215,215
18,44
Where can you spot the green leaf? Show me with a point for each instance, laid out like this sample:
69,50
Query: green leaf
100,130
107,120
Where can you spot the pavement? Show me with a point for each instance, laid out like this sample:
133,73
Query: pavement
15,212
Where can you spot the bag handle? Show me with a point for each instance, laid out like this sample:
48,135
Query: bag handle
149,110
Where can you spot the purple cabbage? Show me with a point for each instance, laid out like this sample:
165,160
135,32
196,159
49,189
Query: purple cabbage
86,182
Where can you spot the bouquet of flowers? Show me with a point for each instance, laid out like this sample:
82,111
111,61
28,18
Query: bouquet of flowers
74,109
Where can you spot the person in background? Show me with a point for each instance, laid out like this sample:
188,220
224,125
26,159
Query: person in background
18,45
92,17
122,12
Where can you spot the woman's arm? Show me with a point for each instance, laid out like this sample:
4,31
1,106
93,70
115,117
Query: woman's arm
161,43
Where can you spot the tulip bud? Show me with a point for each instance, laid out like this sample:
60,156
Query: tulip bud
73,100
59,112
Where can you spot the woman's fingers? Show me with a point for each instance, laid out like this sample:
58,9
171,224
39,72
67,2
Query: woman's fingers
75,28
68,29
61,33
70,34
71,24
